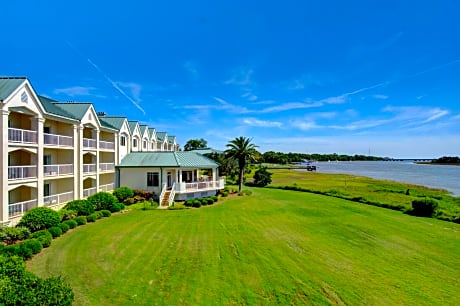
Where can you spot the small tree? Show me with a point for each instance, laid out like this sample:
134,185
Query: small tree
82,207
122,193
242,150
102,200
194,144
262,177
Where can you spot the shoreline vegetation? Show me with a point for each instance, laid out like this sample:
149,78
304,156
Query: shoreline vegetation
445,160
382,193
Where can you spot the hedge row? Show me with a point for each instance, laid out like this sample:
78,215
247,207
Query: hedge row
201,202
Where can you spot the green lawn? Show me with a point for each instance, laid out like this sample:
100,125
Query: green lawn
273,247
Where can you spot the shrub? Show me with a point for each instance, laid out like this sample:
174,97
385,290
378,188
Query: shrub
64,227
138,199
210,201
225,194
106,213
203,201
424,207
98,215
81,220
11,267
196,203
44,237
67,214
55,231
262,177
145,194
92,217
115,207
129,201
102,200
18,249
33,244
215,198
122,206
71,223
39,218
10,235
122,193
188,203
82,207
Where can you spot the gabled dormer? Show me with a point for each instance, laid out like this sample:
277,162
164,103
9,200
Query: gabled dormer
136,136
145,138
162,141
153,139
124,135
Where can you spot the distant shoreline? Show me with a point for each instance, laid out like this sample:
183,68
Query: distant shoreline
440,164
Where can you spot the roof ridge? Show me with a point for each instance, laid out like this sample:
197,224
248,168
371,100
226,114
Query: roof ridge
177,158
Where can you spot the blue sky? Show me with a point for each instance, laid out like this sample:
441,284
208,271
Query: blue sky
349,77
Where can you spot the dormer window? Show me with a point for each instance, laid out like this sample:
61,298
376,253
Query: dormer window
24,97
134,143
123,141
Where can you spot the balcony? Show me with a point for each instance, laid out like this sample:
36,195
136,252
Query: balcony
57,140
89,143
57,170
56,199
106,187
22,172
106,145
107,167
18,209
22,136
200,186
89,168
89,191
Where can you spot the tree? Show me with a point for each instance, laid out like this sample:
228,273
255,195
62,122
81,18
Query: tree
242,150
262,177
194,144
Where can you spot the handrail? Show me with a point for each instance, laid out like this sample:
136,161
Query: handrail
162,194
22,136
172,194
58,169
57,140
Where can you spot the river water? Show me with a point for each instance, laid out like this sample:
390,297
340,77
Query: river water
434,176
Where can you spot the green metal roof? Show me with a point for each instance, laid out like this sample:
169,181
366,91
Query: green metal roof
143,128
167,160
152,132
207,151
115,122
51,108
8,85
171,139
161,136
77,110
132,126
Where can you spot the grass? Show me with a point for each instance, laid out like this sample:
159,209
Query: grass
382,193
273,247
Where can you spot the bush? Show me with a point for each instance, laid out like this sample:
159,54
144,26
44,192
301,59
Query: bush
262,177
81,220
98,215
10,235
106,213
64,227
225,194
122,193
91,218
102,200
39,218
144,194
44,237
11,267
67,214
115,207
71,223
188,203
203,201
129,201
18,249
424,208
215,198
55,231
33,244
210,201
82,207
196,203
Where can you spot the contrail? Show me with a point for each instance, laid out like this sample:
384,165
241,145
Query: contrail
108,79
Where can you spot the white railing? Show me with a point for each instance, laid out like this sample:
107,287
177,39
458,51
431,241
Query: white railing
106,145
197,186
104,167
106,187
22,172
162,194
57,170
58,198
89,143
172,194
22,136
57,140
89,168
89,191
17,209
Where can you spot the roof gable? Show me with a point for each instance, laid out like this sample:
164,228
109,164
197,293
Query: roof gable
134,128
8,85
76,110
51,108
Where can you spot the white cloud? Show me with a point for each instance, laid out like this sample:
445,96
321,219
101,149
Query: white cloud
134,88
75,91
261,123
380,97
249,96
240,76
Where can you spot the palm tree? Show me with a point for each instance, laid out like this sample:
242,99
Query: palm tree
242,150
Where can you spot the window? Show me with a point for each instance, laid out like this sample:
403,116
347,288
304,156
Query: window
144,144
123,141
153,179
47,159
47,129
134,143
46,189
24,97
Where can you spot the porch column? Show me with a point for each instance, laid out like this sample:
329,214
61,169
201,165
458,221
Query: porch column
97,161
4,215
214,177
78,142
40,161
180,175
